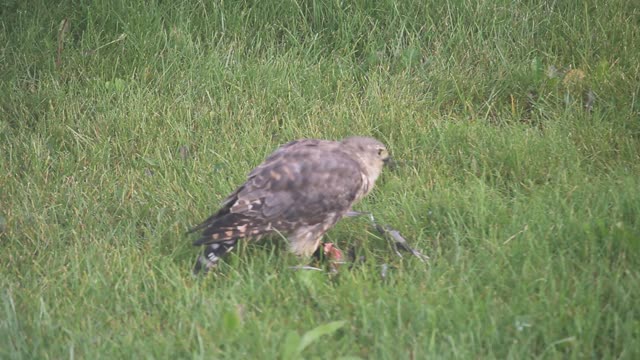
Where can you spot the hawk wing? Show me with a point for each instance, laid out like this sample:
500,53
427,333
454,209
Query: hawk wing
302,183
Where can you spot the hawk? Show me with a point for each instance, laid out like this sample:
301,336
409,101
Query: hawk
300,191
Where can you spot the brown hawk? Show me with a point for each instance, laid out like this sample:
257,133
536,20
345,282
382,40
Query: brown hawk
300,191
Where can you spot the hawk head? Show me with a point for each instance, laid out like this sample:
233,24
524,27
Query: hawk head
371,153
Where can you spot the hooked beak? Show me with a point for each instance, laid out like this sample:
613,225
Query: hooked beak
390,163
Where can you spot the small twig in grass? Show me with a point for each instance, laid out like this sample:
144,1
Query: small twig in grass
526,226
305,267
120,38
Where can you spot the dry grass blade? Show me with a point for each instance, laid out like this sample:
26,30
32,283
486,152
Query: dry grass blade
62,30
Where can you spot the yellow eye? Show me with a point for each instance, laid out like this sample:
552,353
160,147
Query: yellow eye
380,152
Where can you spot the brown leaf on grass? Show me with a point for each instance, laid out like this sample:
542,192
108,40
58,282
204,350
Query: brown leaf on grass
573,77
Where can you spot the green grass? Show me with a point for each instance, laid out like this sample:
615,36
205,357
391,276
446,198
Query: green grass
527,203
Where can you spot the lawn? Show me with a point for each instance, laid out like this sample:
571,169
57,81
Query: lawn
515,126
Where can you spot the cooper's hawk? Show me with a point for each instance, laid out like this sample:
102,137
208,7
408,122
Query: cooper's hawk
300,191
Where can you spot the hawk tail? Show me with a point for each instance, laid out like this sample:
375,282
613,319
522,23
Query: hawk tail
210,221
212,254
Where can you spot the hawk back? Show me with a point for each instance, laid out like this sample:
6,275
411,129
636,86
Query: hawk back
302,183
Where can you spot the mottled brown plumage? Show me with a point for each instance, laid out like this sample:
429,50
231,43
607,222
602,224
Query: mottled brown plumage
300,191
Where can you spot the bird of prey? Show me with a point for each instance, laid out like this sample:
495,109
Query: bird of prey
300,191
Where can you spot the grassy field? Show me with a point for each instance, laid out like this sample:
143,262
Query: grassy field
516,125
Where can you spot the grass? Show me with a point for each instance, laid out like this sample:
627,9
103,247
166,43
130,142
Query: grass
517,129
